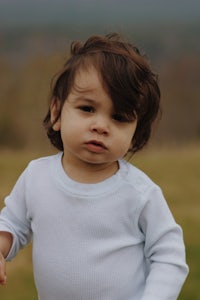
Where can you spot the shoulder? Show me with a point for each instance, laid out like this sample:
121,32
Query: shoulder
41,167
45,161
136,178
39,172
143,191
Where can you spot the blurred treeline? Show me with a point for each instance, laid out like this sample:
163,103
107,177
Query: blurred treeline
29,59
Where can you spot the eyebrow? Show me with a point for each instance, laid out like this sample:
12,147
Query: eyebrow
79,95
81,90
87,101
84,99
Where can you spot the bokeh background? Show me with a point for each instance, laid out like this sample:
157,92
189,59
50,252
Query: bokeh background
34,42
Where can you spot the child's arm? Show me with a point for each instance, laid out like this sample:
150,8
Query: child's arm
164,249
15,229
6,240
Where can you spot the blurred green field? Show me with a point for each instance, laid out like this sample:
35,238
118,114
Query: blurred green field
177,171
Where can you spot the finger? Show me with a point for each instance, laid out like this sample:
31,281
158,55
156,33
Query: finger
3,277
3,281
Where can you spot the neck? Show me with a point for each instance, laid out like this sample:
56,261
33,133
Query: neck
84,172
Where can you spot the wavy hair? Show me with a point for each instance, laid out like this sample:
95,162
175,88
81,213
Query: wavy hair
126,76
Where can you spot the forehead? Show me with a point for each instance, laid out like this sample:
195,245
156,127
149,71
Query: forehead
88,87
92,84
87,79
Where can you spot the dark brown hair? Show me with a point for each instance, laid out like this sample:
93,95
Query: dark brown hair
126,76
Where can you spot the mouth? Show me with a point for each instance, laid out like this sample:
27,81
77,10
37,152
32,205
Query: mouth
96,146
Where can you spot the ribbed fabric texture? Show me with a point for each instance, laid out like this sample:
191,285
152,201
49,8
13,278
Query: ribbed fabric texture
115,240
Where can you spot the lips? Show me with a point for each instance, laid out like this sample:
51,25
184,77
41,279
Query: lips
96,146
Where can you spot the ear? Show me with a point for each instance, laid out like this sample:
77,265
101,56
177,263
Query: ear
55,112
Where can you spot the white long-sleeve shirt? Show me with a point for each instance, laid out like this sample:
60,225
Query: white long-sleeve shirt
114,240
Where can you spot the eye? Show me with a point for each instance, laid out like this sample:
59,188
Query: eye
124,117
120,118
86,108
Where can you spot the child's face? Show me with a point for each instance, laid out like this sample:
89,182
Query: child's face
91,131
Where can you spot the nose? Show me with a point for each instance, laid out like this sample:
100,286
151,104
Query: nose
100,126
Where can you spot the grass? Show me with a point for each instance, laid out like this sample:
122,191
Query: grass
177,171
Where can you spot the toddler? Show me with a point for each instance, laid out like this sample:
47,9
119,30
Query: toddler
100,228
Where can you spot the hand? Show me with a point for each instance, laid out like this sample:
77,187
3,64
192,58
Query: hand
3,276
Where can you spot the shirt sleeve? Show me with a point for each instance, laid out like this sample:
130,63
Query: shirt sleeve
164,249
14,217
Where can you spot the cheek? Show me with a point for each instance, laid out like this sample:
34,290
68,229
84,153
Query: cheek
122,144
128,137
70,127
